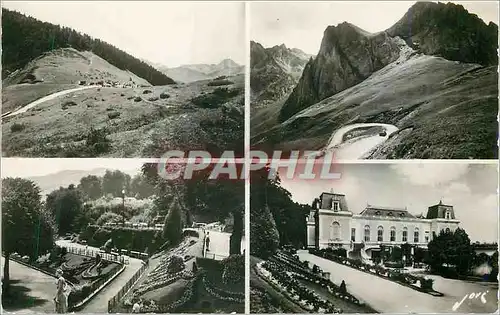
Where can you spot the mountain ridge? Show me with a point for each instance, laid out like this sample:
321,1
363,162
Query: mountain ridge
348,54
196,72
36,35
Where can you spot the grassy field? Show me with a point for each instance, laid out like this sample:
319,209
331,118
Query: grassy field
134,122
444,109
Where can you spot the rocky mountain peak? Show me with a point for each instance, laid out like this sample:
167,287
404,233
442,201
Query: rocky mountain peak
228,63
450,31
347,56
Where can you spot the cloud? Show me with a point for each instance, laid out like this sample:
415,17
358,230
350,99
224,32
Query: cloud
435,174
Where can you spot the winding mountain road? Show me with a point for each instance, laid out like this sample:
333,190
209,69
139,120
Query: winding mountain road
358,147
44,99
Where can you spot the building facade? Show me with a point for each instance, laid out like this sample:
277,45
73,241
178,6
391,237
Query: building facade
332,224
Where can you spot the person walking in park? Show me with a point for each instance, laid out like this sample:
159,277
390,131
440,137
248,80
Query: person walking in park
63,290
207,243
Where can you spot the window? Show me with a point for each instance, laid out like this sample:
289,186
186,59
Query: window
447,230
336,206
393,234
367,233
427,236
416,236
448,215
380,234
336,231
405,234
353,234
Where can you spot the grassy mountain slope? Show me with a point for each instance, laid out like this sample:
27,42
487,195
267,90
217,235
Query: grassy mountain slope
58,70
25,38
444,109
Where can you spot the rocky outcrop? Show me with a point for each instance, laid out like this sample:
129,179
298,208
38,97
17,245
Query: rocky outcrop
450,31
348,55
274,71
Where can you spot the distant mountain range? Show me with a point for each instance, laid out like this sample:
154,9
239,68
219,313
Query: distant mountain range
433,75
198,72
274,71
51,182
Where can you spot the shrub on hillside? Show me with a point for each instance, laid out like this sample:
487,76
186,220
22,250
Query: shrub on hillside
97,141
113,115
16,127
220,82
218,97
164,95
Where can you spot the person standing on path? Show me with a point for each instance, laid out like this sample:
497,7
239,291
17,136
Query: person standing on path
207,243
63,290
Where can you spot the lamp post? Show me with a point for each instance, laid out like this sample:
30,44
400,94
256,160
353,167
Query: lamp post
123,206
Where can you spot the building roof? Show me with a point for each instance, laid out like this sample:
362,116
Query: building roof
439,211
386,212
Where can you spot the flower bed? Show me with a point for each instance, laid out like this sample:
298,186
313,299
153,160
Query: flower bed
221,294
295,291
299,271
161,281
418,283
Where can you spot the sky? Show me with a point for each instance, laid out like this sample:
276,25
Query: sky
301,24
166,32
470,188
15,167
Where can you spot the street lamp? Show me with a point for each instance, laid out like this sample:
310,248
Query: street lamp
123,206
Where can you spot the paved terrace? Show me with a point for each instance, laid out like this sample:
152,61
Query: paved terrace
388,297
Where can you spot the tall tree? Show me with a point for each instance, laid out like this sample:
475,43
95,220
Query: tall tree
172,229
113,182
91,187
264,235
452,248
25,228
66,205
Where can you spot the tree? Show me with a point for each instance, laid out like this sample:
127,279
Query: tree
289,216
91,187
140,187
66,205
25,227
113,182
451,248
172,229
264,240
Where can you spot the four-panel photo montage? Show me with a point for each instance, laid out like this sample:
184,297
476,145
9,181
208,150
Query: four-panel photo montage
249,157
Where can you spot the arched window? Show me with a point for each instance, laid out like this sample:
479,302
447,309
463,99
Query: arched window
380,234
336,231
416,236
393,234
405,234
367,233
448,215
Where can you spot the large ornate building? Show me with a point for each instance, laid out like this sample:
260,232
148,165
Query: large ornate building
332,224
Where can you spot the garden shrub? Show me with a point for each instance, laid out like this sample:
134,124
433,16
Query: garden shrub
176,264
234,269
